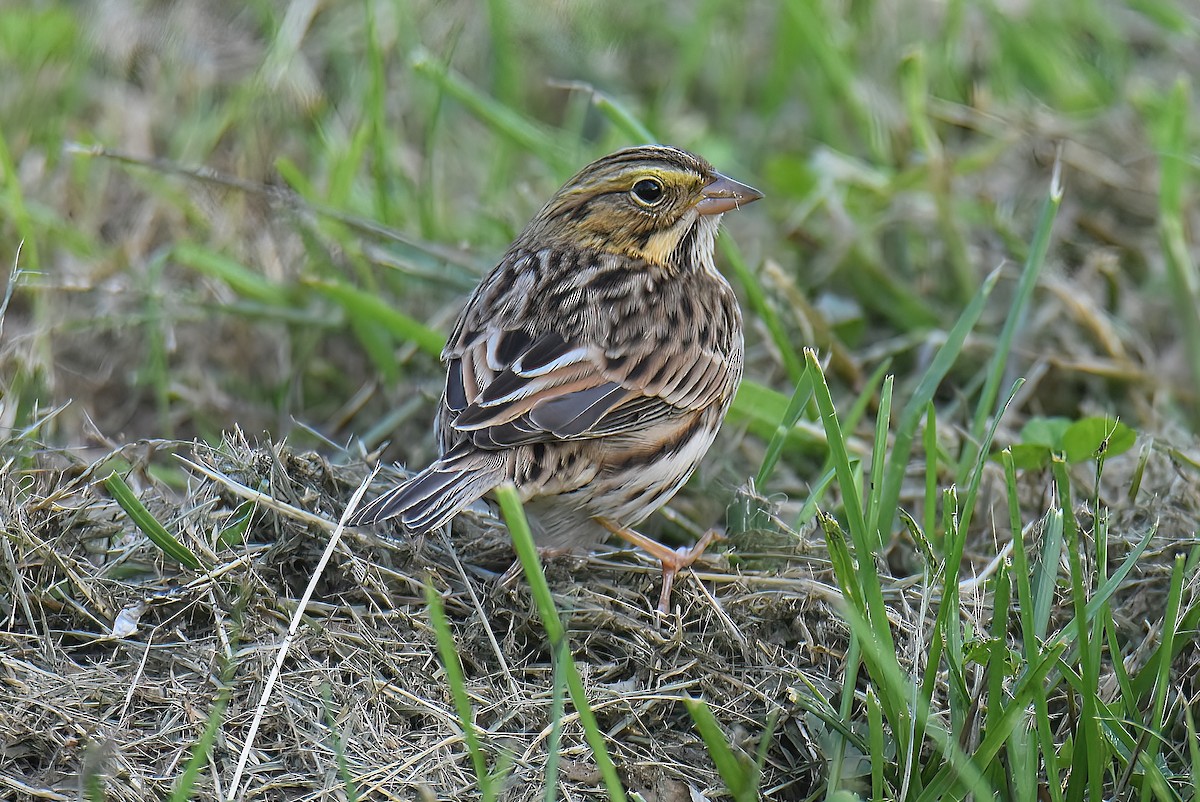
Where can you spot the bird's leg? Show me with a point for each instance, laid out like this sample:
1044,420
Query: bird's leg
673,560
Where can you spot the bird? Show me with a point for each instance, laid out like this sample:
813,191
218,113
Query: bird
592,367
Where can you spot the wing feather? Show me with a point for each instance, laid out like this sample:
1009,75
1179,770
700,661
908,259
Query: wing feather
554,390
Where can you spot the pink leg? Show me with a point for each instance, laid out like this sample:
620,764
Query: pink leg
673,560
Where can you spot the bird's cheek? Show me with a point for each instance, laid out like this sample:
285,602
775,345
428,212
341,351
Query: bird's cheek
662,244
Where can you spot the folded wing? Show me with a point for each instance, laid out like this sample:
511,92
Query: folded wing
508,388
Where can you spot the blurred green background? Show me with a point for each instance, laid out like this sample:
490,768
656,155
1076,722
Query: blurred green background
267,214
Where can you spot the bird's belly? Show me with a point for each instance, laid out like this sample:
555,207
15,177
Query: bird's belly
625,481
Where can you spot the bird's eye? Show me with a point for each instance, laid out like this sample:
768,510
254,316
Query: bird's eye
648,191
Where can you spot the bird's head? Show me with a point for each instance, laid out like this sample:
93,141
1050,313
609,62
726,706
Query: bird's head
652,203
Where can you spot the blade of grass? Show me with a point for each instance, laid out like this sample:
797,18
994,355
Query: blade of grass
1163,682
915,91
151,528
1015,321
951,776
1090,753
241,279
878,754
518,527
795,408
554,740
376,108
846,712
946,627
1046,573
882,421
997,660
735,773
1181,270
958,769
509,123
762,408
910,418
929,443
868,579
458,691
1193,750
360,305
614,111
828,473
756,299
1031,648
201,752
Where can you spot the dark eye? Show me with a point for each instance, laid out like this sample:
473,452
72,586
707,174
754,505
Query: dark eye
648,191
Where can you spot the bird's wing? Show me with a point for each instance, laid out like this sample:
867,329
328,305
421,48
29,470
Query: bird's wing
509,388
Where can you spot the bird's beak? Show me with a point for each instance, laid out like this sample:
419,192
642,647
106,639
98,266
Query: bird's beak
724,194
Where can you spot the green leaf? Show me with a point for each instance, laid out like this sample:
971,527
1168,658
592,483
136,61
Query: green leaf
1094,437
448,650
1046,432
241,279
1030,456
522,537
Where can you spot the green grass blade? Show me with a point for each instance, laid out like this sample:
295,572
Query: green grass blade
737,774
241,279
523,132
1193,750
910,418
201,752
951,776
557,704
882,421
958,767
930,445
458,691
795,408
1090,753
151,528
756,299
1017,313
864,541
1046,574
368,308
1181,269
761,409
878,753
1163,681
518,527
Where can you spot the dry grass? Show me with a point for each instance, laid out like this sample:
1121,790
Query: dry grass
363,672
362,678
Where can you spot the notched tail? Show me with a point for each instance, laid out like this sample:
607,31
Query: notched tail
430,499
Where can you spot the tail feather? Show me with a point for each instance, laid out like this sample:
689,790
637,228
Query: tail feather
431,498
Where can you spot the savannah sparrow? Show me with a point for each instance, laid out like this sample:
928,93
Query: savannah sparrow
593,366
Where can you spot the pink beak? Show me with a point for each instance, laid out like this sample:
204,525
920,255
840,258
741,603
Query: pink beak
724,195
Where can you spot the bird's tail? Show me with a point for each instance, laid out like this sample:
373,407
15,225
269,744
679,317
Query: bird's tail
431,498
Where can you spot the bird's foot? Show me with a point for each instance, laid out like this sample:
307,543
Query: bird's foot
673,560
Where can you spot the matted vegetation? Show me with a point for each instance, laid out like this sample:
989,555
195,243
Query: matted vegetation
963,527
